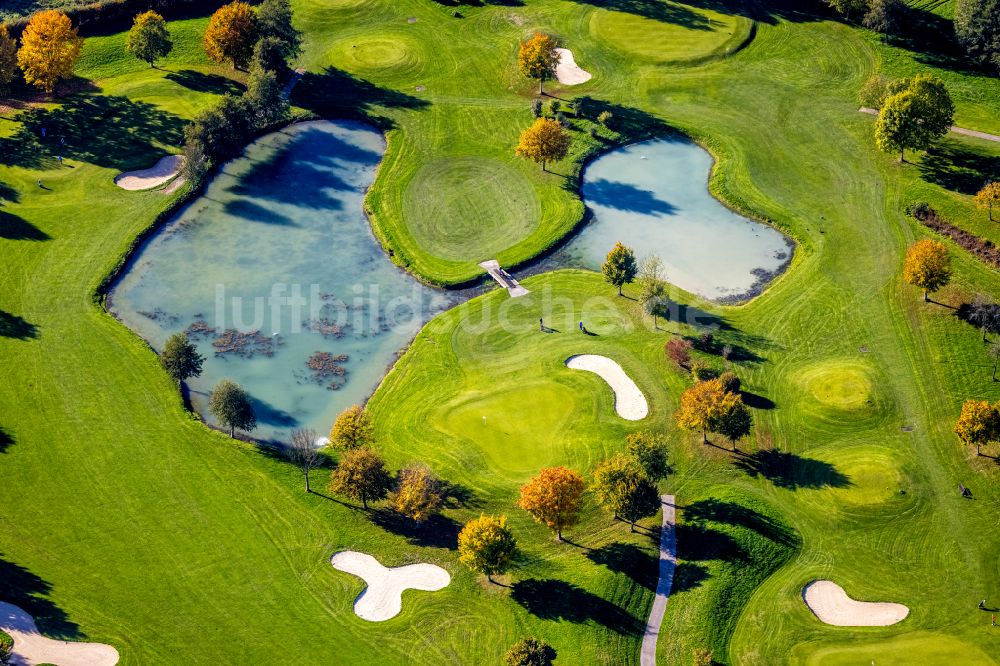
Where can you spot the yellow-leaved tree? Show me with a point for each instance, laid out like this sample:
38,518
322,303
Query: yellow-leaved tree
979,423
553,497
545,141
49,49
487,546
704,407
418,494
232,33
988,197
927,266
352,429
537,58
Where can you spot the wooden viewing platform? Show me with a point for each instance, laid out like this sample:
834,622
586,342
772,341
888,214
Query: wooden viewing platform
505,279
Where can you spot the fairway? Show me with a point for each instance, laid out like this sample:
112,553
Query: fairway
125,521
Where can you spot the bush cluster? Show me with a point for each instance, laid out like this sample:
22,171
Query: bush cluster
982,248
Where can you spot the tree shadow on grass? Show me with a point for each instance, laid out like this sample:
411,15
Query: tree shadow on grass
459,496
435,532
480,3
206,83
338,93
788,470
639,564
958,168
5,441
13,326
8,193
688,576
932,38
736,514
21,587
683,14
698,542
755,401
13,227
557,600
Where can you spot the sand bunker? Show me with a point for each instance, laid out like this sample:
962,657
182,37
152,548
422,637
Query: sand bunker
157,175
383,598
30,647
630,403
831,605
567,71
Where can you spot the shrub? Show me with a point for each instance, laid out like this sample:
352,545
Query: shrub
702,657
605,118
576,107
554,107
730,382
678,350
592,130
530,651
6,646
536,108
702,371
706,343
561,119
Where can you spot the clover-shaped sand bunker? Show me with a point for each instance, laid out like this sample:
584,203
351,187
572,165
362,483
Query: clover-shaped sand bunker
383,598
630,403
30,647
568,72
831,605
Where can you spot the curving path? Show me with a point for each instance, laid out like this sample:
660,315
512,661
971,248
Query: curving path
668,562
30,647
383,598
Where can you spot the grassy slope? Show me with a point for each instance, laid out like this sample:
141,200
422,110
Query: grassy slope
209,534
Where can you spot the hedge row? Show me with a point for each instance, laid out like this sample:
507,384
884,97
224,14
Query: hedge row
111,16
981,248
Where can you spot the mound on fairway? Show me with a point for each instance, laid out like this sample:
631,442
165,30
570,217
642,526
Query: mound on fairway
831,605
706,33
567,71
840,385
630,403
383,598
380,54
156,175
30,647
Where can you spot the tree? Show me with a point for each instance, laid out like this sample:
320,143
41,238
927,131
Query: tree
180,358
678,350
883,16
232,406
979,423
302,451
622,487
702,657
545,141
537,58
915,117
977,26
195,163
361,475
275,22
6,647
529,651
927,266
703,405
847,7
269,55
988,197
650,451
554,498
8,59
619,268
264,99
994,352
149,39
487,546
49,49
352,429
418,494
735,422
231,34
730,382
985,314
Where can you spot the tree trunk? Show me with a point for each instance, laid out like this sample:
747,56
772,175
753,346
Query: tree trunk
704,437
631,527
984,333
559,533
364,501
232,431
540,79
902,155
619,290
927,297
995,359
489,578
307,481
977,449
543,166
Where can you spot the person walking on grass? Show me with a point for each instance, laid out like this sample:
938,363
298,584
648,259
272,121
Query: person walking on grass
982,604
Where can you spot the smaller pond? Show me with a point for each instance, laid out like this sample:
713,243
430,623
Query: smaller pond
653,197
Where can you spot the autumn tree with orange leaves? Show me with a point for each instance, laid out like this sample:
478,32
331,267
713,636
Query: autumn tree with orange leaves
988,197
49,49
231,34
979,423
705,406
927,266
545,141
554,498
537,58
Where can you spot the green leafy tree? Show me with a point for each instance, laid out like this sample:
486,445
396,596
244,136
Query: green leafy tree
195,164
530,651
6,646
652,282
149,39
418,495
884,16
232,406
622,487
264,99
735,422
361,475
977,26
274,20
916,117
650,450
353,428
848,7
269,56
619,267
180,358
487,546
8,59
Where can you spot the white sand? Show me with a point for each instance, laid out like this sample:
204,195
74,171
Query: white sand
383,598
30,647
630,403
831,605
157,175
567,71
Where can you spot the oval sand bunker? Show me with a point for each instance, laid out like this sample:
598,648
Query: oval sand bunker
831,605
568,72
630,403
383,598
156,175
30,647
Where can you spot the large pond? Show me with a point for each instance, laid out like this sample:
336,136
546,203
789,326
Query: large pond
653,197
275,275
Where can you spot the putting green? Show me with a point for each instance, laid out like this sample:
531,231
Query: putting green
699,34
921,648
519,432
469,208
379,53
873,474
841,385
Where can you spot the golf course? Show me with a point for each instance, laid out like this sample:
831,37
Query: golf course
851,526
